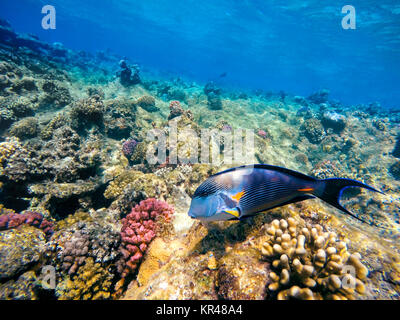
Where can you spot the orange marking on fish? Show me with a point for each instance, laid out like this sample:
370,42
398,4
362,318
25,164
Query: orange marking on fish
237,196
306,189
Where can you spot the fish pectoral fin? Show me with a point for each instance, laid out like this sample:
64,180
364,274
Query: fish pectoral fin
238,196
234,212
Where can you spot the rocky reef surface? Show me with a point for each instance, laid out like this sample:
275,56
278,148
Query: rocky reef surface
85,215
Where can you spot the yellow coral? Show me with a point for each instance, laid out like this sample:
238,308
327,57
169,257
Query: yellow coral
311,263
149,183
7,149
92,282
72,219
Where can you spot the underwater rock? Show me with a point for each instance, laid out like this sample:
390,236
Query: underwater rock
117,128
181,279
320,96
147,184
334,120
176,109
19,249
25,128
24,84
62,199
11,109
313,130
327,169
395,170
56,122
148,103
214,101
396,149
211,87
119,117
242,275
56,95
86,112
23,288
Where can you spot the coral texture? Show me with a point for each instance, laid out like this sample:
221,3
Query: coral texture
311,263
35,219
138,229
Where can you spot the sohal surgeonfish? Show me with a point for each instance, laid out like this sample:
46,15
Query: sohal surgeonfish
243,191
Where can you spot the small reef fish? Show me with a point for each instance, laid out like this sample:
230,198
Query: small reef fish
244,191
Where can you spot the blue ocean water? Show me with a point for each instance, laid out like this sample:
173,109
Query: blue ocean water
295,46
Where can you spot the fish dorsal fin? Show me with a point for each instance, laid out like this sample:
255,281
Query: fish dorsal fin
269,167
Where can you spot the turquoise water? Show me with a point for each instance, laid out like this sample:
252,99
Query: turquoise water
86,106
298,47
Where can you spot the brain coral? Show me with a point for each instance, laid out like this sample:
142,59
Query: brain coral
311,263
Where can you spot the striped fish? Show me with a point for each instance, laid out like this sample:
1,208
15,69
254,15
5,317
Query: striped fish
244,191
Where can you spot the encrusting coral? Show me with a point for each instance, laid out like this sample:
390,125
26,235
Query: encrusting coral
91,282
35,219
311,263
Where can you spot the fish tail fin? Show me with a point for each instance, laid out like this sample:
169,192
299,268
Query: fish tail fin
333,189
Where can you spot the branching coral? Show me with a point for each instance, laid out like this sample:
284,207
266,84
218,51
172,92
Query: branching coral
138,229
311,263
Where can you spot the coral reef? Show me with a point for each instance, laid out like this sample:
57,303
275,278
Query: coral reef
311,263
148,103
138,229
35,219
86,112
25,128
92,282
148,184
313,130
334,120
20,248
175,109
128,147
320,96
74,161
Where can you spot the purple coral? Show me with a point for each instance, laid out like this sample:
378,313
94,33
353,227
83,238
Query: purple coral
128,147
35,219
138,229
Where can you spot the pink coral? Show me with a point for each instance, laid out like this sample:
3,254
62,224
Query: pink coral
262,133
35,219
138,229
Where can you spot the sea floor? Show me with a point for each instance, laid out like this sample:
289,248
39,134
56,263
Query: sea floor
85,215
